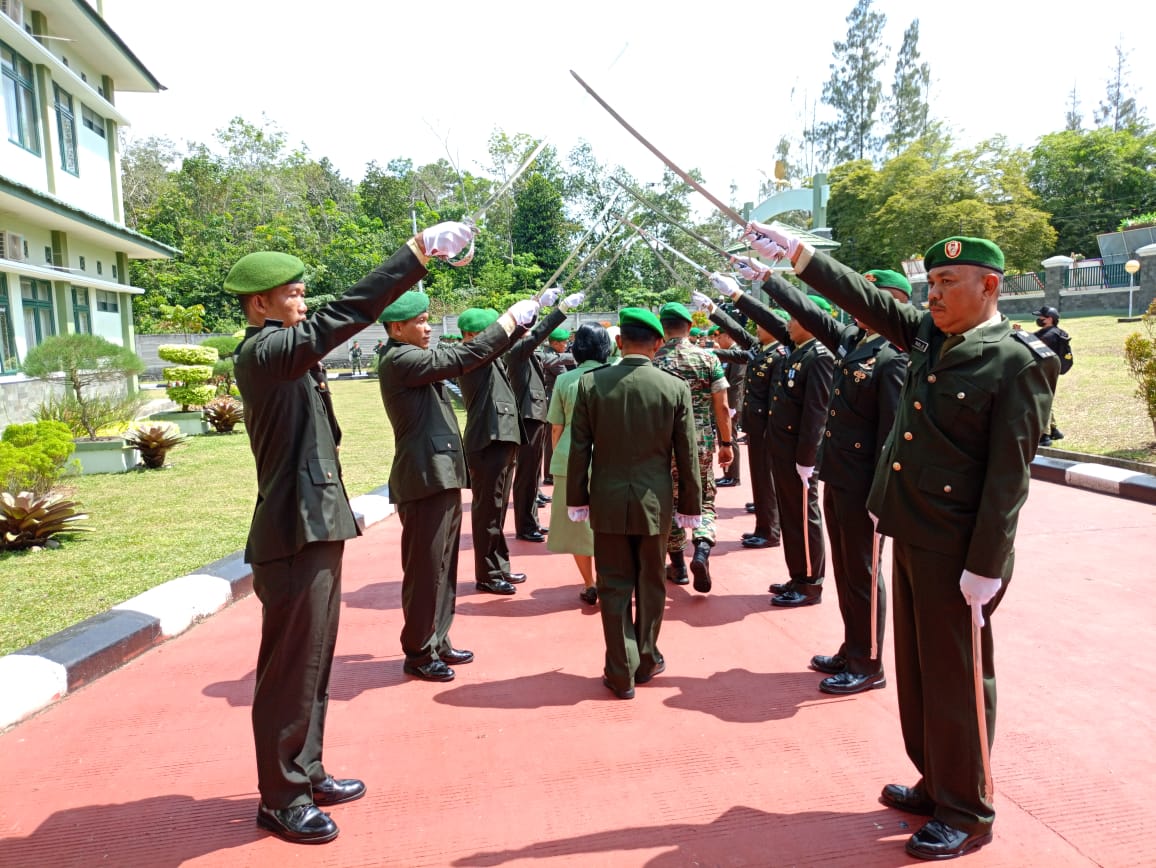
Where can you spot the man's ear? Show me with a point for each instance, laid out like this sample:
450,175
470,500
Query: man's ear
991,284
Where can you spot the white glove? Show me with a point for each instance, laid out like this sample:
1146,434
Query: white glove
728,286
572,301
447,240
525,311
978,591
550,296
578,513
769,242
874,520
733,411
687,522
750,269
701,302
804,473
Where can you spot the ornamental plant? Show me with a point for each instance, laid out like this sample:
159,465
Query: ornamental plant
1140,353
29,520
154,442
223,413
33,456
190,373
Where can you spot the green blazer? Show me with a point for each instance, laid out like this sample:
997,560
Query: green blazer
629,419
527,375
491,409
954,472
428,456
289,416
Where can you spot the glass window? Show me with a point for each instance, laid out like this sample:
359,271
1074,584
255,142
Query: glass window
19,100
81,315
107,301
39,322
66,129
92,121
8,359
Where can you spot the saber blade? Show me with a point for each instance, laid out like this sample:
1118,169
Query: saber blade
662,215
980,706
508,183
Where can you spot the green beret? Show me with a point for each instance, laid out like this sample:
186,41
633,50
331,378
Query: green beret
696,331
477,319
560,334
821,303
640,316
960,250
712,330
780,313
674,310
409,305
257,272
885,279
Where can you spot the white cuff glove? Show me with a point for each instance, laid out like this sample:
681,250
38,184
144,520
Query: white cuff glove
750,269
978,591
447,240
700,302
687,522
578,513
525,311
732,411
549,297
572,301
804,473
728,286
772,243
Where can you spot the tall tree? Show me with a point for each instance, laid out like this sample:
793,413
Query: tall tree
1118,110
539,222
1074,119
854,90
907,110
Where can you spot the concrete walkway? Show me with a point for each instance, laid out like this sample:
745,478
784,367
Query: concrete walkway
730,758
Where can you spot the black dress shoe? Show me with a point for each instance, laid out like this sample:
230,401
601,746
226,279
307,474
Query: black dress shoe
543,499
514,578
938,840
657,670
456,657
589,595
846,683
910,799
760,542
777,588
435,670
533,536
677,574
621,693
700,566
832,665
304,824
802,594
496,586
543,530
332,791
547,480
726,482
750,507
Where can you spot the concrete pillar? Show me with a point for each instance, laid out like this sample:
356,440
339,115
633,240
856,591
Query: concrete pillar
1146,279
1054,270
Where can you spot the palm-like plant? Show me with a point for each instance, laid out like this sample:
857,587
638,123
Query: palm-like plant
224,413
28,520
154,442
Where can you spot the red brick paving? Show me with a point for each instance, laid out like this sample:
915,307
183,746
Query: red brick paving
730,758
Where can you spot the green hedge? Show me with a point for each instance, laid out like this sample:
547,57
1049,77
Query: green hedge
32,456
189,375
188,354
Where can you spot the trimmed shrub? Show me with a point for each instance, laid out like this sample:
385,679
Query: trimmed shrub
32,456
225,345
192,368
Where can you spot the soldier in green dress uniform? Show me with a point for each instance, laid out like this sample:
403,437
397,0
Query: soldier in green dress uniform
949,484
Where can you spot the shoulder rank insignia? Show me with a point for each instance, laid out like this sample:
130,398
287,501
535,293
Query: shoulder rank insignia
1033,343
921,345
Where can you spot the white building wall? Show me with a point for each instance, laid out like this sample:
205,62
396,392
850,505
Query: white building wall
107,325
22,166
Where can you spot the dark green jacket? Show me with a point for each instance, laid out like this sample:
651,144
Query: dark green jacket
629,419
289,416
955,470
491,409
763,366
527,375
428,456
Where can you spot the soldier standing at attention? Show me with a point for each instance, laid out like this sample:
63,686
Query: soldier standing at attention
302,517
355,358
735,361
429,470
623,486
703,372
948,488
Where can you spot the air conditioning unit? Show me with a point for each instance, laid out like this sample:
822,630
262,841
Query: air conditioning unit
14,9
11,244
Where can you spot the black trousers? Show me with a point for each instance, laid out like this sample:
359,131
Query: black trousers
528,476
300,606
762,480
430,531
852,535
491,472
789,491
631,572
935,682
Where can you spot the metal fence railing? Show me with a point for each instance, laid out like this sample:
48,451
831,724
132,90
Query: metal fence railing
1023,284
1111,276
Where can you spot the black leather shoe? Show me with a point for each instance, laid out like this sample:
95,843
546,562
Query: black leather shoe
1056,434
435,670
543,499
726,482
802,594
909,799
677,574
332,791
832,665
846,683
514,578
760,542
700,566
589,595
456,657
750,508
777,588
938,840
496,586
533,536
1045,440
628,693
304,824
547,480
657,670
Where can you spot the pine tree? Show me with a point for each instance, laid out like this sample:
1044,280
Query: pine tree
1118,110
907,111
1073,120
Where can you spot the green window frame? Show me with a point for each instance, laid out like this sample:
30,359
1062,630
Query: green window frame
93,121
81,311
19,100
9,361
66,130
39,315
108,302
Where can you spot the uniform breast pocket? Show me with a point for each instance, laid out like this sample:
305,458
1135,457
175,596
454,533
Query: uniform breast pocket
504,408
962,406
324,471
950,487
538,399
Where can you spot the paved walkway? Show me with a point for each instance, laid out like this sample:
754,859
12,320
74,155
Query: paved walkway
730,758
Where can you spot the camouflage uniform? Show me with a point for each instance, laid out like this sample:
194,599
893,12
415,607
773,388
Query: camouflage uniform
704,374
